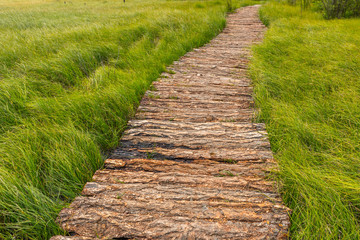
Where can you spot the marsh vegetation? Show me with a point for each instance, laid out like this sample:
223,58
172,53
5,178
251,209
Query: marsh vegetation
307,85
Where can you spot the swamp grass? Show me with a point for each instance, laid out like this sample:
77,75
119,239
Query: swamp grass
307,86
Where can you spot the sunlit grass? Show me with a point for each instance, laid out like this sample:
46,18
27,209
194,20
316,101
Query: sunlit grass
307,84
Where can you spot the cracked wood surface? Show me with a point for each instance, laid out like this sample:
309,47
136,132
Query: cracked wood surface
192,164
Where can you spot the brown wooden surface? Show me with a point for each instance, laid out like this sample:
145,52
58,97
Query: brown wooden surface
192,164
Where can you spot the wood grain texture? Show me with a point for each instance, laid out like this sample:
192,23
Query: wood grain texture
192,164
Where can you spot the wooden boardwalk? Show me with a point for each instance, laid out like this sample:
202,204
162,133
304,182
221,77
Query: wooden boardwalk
192,164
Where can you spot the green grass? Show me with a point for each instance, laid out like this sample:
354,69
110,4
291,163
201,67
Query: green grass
307,84
71,75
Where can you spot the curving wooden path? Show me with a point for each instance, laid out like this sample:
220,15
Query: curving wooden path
192,164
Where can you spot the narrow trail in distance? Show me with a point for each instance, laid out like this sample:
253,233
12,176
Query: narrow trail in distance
192,164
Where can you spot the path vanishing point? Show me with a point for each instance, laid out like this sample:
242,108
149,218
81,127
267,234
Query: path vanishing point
192,164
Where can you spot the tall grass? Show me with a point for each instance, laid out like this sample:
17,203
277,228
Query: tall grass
307,84
71,75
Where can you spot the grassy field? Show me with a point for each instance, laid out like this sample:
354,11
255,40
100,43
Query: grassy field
71,74
307,81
